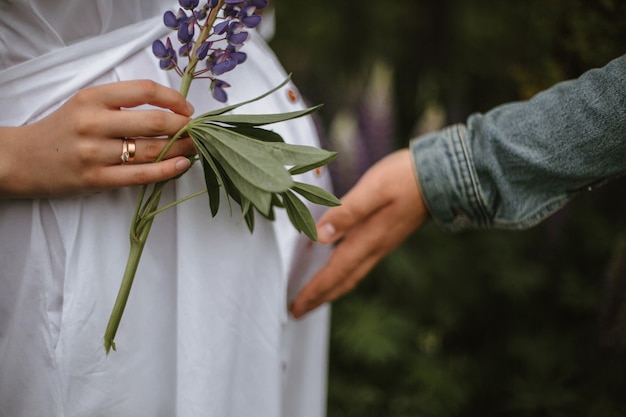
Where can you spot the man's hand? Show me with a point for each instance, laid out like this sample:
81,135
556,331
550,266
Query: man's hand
375,217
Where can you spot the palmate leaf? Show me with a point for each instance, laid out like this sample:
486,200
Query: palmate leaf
251,163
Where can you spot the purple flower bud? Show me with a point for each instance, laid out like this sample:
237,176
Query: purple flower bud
235,27
229,11
212,3
221,27
232,52
185,49
259,4
251,21
170,20
181,16
188,4
240,57
185,33
233,1
203,50
167,64
225,65
200,14
237,38
217,90
159,50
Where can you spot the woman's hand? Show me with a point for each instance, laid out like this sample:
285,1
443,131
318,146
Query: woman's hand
378,214
77,149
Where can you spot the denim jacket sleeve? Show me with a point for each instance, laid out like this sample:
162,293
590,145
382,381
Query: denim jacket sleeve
515,165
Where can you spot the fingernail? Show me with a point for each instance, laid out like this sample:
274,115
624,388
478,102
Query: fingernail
182,164
326,233
192,109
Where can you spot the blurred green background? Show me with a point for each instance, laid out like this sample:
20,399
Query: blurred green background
491,323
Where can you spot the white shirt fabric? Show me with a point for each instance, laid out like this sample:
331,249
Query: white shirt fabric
206,330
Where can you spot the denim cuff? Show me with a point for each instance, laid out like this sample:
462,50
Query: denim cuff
443,166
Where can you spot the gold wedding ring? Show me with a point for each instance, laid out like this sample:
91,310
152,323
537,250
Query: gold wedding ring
128,150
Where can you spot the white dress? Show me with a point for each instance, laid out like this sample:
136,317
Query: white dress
206,331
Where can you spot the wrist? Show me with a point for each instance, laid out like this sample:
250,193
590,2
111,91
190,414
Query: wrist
11,164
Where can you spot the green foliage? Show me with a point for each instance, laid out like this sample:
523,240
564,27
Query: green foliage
488,323
255,166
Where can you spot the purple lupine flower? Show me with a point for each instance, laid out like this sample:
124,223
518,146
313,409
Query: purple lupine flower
220,49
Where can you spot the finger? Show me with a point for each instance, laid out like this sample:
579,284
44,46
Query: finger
109,151
149,149
360,202
135,174
138,92
339,276
151,123
349,263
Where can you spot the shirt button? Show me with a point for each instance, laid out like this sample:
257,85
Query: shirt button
292,95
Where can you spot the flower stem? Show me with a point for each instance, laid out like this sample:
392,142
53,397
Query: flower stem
145,212
136,248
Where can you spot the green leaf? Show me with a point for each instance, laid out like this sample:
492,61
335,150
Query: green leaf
249,217
299,155
260,198
256,133
301,169
212,187
316,194
255,119
277,202
285,153
226,109
299,215
212,176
